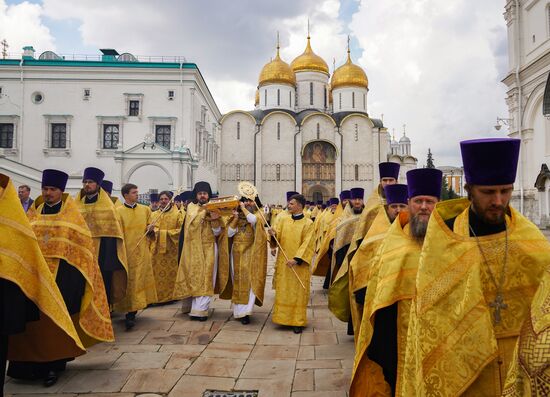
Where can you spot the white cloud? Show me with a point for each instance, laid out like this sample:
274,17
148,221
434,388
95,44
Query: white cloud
22,25
435,66
230,44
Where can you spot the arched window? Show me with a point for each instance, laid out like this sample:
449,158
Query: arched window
278,97
278,172
353,100
238,130
340,100
278,131
311,93
290,98
265,97
356,172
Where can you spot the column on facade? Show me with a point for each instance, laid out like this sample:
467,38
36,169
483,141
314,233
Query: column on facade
339,160
298,142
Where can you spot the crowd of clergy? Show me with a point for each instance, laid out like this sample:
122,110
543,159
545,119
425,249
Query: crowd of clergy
443,298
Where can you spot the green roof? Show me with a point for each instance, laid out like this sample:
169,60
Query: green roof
110,64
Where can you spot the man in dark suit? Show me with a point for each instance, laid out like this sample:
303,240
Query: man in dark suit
24,192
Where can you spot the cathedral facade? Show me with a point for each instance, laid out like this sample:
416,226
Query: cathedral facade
310,132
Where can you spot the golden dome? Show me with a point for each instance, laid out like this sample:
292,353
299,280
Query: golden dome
348,75
276,72
309,61
257,98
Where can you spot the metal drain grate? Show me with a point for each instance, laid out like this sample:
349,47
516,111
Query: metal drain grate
237,393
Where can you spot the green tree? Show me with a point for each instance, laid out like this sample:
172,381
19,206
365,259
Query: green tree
430,160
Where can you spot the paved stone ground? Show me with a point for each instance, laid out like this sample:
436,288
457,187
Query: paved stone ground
166,354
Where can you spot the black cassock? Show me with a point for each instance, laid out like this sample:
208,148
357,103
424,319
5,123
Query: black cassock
71,284
108,257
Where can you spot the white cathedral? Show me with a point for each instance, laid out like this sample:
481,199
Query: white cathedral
309,132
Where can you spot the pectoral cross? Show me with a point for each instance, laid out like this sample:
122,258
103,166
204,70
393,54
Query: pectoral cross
497,305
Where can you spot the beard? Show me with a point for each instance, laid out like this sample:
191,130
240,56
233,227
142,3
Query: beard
497,219
358,211
90,191
203,200
418,228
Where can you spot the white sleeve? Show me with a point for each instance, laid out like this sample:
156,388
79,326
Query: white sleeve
251,218
217,231
231,232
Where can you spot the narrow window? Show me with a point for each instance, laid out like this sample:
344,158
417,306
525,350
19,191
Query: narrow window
356,132
238,172
278,97
133,109
110,136
6,136
311,93
265,97
278,131
59,136
325,96
353,100
364,102
162,135
356,172
290,98
340,100
278,172
238,130
318,131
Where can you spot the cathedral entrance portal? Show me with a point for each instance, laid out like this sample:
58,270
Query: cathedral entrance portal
318,171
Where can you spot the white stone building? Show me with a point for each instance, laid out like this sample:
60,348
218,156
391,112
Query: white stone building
309,132
528,24
152,122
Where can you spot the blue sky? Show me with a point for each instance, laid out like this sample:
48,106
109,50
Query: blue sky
433,65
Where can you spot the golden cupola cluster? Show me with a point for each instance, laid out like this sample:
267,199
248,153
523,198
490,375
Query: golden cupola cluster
277,72
349,75
309,61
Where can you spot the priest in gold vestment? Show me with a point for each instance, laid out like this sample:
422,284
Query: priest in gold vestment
389,175
529,373
325,239
380,352
103,220
67,246
164,248
338,295
295,234
362,260
138,234
35,325
203,244
480,267
248,261
107,186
